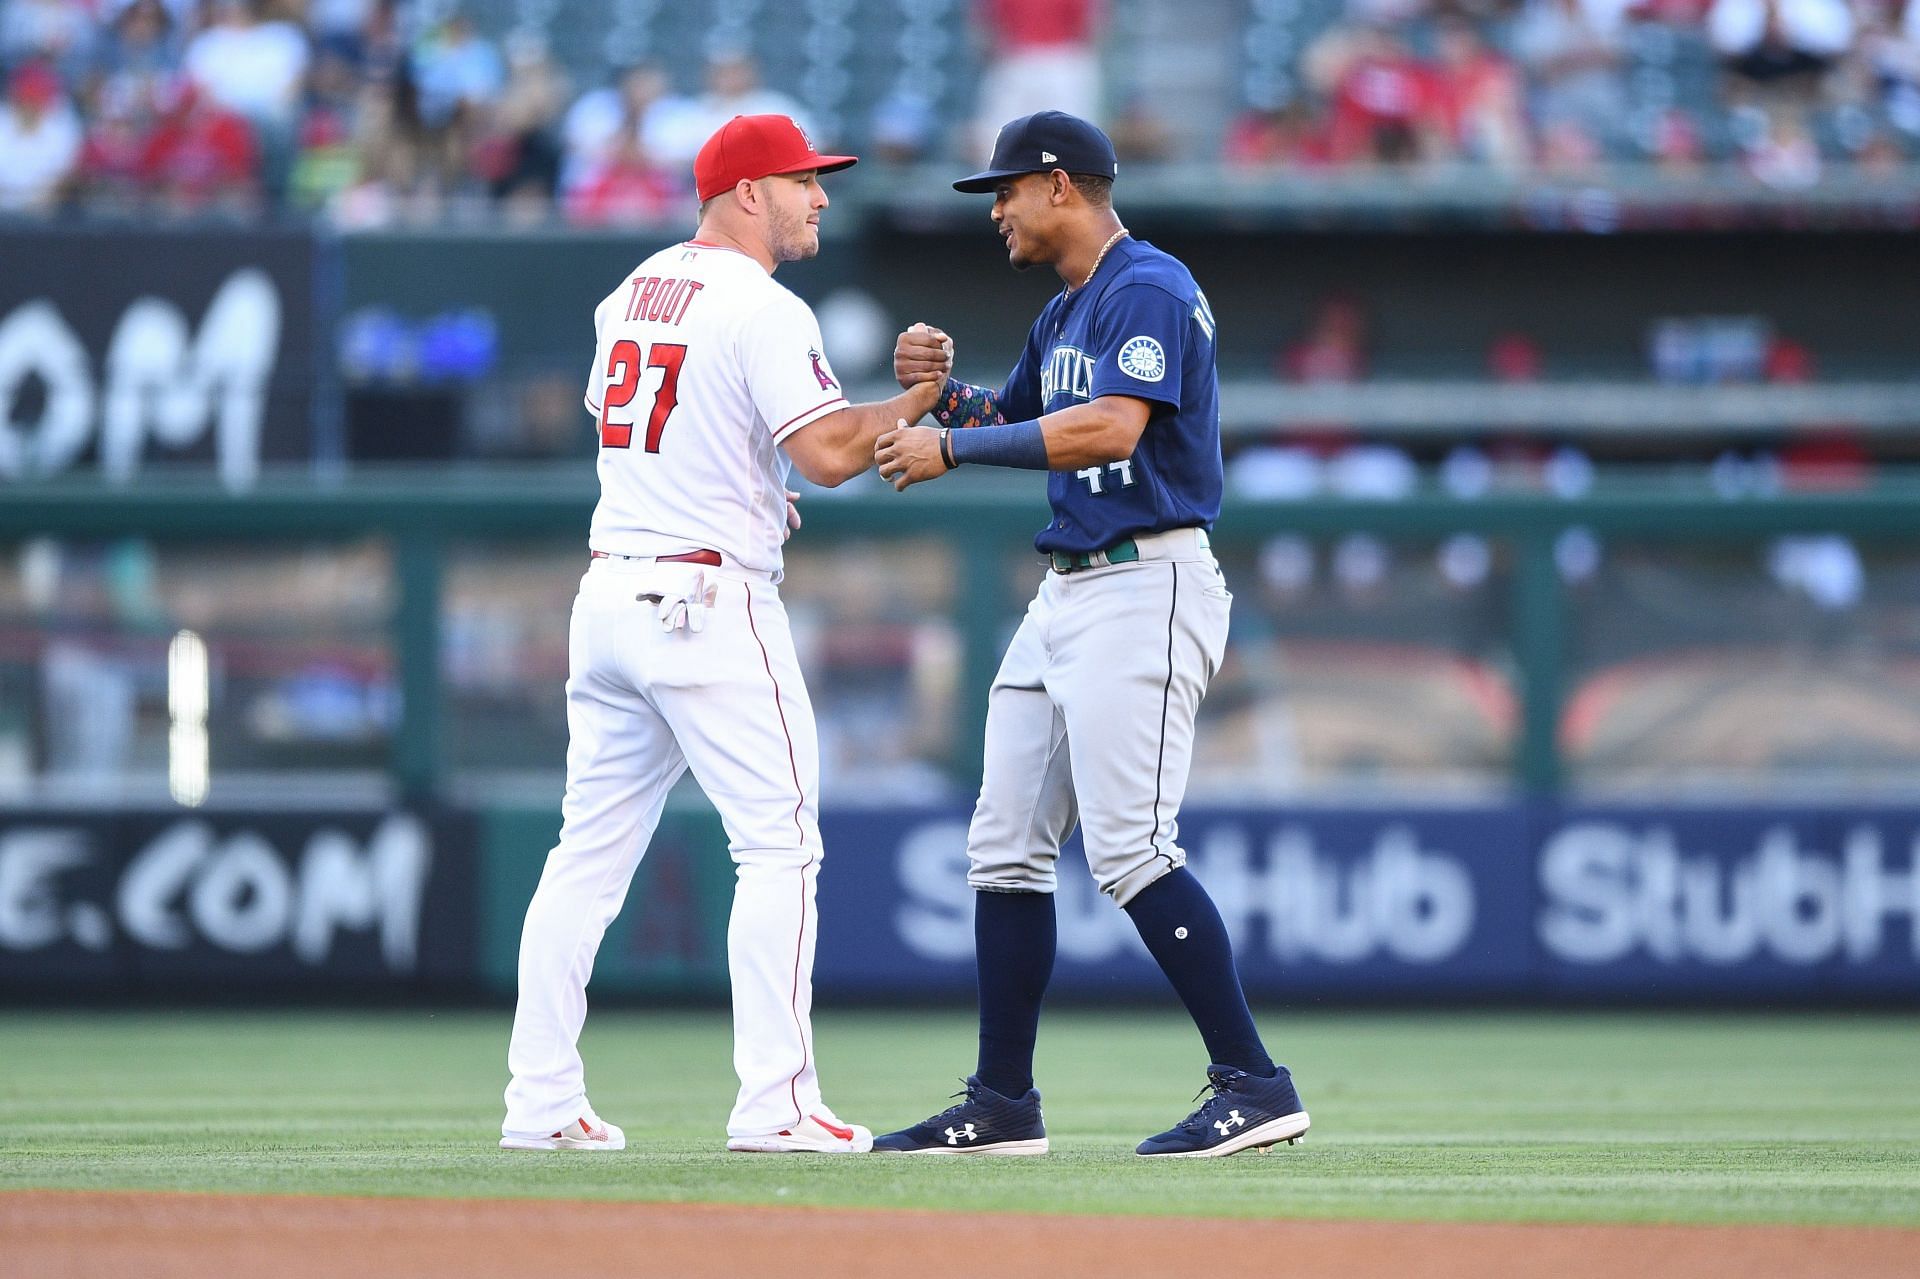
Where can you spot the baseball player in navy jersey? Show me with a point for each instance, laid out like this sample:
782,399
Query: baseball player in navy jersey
709,382
1090,719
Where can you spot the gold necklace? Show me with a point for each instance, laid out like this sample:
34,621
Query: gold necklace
1111,241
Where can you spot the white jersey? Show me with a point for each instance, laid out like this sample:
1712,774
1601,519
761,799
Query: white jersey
703,364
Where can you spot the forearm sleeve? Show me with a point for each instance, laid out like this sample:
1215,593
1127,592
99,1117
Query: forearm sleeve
962,405
1021,444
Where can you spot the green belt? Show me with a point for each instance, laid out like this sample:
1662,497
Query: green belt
1119,553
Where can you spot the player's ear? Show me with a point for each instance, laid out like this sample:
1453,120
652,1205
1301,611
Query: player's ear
747,193
1059,186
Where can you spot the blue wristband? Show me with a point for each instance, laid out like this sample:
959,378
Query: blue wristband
1021,444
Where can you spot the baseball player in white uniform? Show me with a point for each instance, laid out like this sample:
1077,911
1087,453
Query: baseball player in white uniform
709,381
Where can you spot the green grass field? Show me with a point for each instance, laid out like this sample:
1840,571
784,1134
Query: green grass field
1682,1118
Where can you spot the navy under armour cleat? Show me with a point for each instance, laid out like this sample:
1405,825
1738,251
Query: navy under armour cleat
1244,1112
985,1123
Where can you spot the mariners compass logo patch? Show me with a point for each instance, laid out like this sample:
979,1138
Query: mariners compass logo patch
1144,359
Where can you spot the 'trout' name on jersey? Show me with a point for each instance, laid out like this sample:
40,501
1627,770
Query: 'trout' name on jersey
665,301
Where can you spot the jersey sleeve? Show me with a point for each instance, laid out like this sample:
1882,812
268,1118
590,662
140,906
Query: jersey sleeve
786,366
1140,338
597,375
1020,398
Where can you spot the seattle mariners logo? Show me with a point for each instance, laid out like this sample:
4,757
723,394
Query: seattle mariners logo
820,371
1144,359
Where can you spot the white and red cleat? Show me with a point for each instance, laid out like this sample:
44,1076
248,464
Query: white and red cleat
588,1132
820,1133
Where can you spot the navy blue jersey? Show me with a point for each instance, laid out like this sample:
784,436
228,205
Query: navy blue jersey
1140,327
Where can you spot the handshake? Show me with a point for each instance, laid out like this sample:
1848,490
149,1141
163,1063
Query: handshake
922,363
922,354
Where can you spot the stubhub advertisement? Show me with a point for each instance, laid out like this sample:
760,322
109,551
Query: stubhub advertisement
1523,901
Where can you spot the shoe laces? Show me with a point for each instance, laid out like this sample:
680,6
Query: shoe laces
966,1099
1217,1085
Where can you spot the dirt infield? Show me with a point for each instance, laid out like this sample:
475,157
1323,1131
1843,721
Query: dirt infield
47,1234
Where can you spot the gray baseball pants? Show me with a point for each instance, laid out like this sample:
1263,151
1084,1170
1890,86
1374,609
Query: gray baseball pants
1090,719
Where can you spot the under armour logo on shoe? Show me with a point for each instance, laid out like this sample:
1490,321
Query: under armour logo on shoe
954,1135
1232,1121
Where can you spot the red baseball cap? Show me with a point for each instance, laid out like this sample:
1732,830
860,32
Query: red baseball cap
757,146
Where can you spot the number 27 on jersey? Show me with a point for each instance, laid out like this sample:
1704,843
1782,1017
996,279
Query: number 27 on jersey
623,383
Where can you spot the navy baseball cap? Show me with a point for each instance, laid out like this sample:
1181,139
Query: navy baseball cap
1041,143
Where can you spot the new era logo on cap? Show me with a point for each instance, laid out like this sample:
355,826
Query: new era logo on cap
1043,141
757,146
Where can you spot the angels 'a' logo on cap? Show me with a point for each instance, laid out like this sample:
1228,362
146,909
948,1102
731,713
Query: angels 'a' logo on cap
820,371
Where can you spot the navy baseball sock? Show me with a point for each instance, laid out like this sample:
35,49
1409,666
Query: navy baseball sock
1182,928
1013,943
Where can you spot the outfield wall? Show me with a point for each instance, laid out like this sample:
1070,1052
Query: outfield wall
1534,902
236,904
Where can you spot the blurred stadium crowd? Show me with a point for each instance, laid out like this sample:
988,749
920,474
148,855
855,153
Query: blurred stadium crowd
379,111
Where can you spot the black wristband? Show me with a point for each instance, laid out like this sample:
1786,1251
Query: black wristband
946,451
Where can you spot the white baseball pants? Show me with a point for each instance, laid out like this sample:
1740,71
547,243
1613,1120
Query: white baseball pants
644,705
1090,720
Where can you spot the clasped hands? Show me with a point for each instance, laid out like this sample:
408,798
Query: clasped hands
908,455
